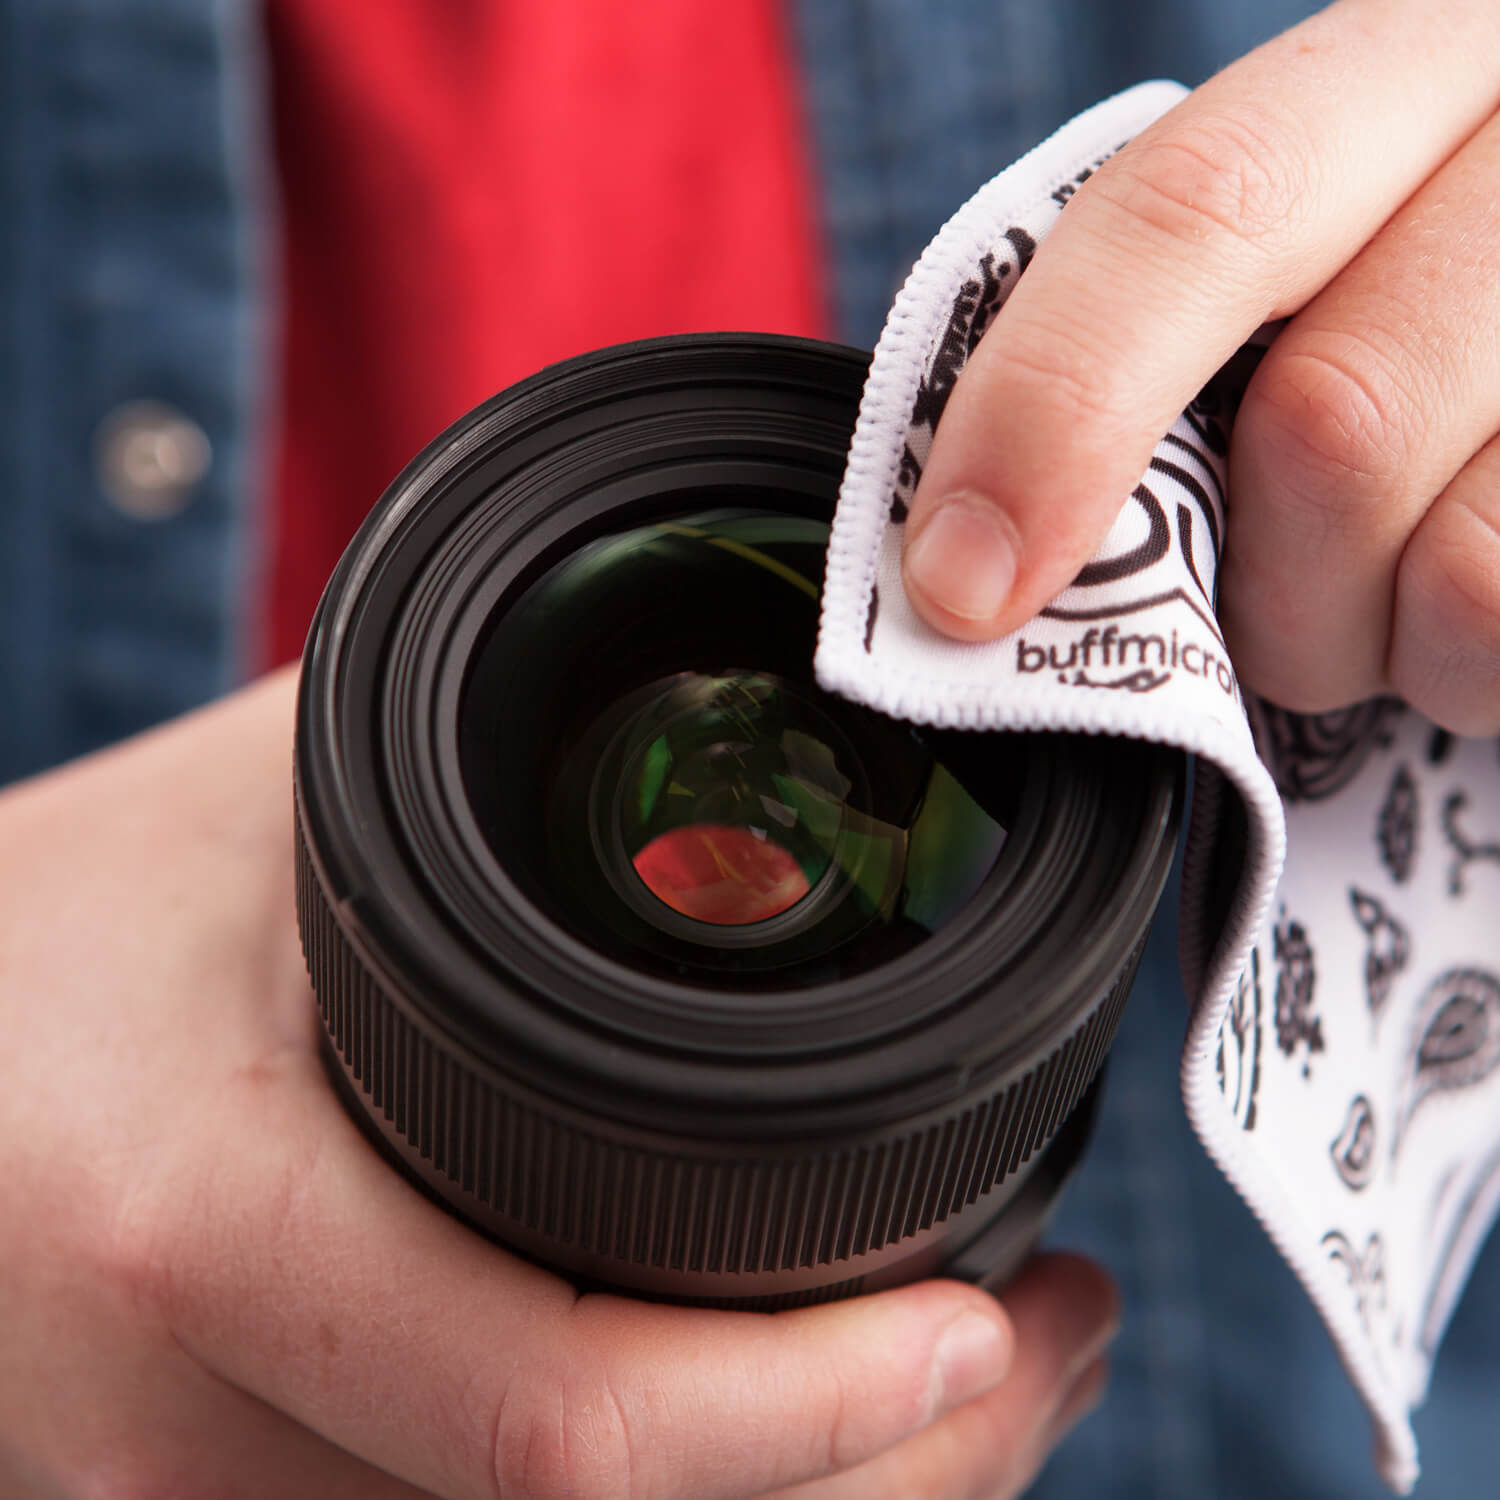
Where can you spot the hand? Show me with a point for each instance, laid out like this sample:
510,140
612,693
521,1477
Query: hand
211,1286
1344,175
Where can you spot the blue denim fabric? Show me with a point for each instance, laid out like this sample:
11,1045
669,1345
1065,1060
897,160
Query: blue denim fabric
127,142
914,106
131,154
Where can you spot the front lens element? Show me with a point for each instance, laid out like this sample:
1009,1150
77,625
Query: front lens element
734,797
702,812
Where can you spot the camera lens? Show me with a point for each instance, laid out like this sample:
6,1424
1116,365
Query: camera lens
633,947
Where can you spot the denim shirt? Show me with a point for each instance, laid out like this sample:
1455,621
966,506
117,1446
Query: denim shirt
130,138
133,188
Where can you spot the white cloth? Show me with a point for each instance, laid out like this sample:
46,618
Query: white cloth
1342,1062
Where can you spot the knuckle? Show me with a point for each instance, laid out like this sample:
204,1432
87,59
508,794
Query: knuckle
1057,377
1456,566
557,1436
845,1446
855,1420
1329,422
1470,582
1224,179
1448,602
1063,361
127,1258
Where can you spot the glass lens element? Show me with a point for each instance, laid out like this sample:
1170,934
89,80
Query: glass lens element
728,812
728,794
644,746
712,872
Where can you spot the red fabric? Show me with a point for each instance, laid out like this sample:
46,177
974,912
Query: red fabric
474,188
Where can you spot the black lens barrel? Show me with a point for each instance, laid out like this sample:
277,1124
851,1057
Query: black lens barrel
664,1122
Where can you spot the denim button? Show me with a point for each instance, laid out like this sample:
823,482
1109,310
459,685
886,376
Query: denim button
149,459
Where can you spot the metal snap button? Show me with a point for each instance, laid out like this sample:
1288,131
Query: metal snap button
149,458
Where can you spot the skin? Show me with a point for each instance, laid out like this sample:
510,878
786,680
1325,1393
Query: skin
1342,176
212,1288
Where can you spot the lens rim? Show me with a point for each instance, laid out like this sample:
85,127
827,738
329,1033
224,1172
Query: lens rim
383,809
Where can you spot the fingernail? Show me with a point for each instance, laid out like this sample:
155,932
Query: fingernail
972,1356
1085,1319
1107,1333
964,557
1086,1393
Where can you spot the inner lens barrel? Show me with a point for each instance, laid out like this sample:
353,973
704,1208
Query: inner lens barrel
632,946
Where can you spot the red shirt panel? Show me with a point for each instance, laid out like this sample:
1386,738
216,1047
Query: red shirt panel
474,188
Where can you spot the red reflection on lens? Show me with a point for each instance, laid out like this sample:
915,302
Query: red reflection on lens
714,873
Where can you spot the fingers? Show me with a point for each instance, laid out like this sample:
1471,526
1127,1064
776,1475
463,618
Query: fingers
1234,208
1064,1311
1445,646
1085,1394
375,1320
1366,407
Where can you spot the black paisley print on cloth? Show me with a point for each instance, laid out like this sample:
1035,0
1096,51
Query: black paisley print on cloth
1455,1040
1466,850
1238,1061
1313,755
1296,983
1397,825
1365,1270
1387,947
1353,1149
978,301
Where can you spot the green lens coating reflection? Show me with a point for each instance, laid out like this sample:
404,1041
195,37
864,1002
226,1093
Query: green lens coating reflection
704,805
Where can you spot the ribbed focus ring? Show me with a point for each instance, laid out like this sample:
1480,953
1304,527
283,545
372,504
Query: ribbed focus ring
673,1211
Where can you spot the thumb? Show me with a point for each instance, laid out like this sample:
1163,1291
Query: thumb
702,1405
372,1318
